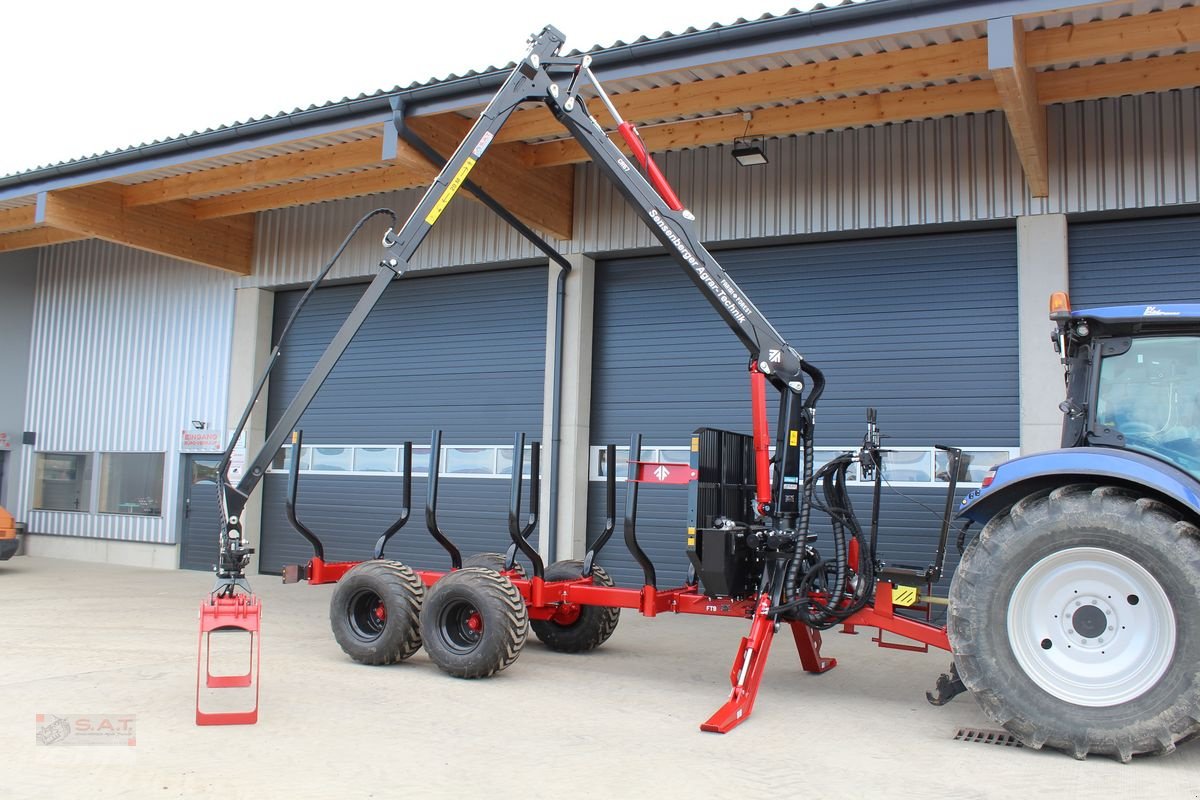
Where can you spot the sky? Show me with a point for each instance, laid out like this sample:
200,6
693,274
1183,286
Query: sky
79,78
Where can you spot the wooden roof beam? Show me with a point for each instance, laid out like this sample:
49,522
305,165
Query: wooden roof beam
290,166
36,237
787,84
15,219
1124,77
1016,83
168,229
819,115
541,198
1162,30
337,187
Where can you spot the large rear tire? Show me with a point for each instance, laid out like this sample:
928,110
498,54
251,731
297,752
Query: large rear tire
492,561
374,612
1075,622
577,629
474,623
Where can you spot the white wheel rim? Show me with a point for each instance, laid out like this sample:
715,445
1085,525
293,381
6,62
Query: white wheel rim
1091,627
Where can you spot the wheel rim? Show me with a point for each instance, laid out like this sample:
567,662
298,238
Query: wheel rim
461,626
1091,627
367,615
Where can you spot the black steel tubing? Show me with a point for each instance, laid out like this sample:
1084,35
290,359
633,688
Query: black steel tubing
631,495
518,533
431,497
292,489
406,507
610,507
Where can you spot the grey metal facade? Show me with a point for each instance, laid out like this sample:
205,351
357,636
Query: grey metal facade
922,327
128,349
465,353
1106,155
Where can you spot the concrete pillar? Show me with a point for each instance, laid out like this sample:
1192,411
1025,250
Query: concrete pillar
1041,269
575,419
253,315
18,275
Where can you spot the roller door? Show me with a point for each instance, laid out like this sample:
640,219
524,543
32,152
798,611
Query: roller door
924,328
464,353
1135,261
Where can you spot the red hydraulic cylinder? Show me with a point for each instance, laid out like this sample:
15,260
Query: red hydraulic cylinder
655,175
762,444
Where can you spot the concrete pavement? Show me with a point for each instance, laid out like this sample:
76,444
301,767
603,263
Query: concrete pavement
621,722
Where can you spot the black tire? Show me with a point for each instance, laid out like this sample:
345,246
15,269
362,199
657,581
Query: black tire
492,561
474,623
1038,660
364,633
591,628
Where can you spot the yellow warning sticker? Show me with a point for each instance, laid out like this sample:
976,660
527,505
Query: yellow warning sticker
793,438
695,444
448,195
904,596
691,537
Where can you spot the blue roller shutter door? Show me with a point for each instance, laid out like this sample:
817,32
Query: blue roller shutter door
1135,261
924,328
464,353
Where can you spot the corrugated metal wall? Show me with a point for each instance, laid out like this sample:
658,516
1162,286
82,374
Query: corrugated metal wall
1117,154
128,348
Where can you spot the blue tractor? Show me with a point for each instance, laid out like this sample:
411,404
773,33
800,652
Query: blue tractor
1075,613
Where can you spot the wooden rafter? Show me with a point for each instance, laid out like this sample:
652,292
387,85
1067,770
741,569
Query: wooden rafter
821,115
787,84
168,229
355,184
1016,84
290,166
1116,37
1124,77
15,219
36,237
542,198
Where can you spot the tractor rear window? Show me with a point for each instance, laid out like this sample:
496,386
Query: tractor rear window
1151,394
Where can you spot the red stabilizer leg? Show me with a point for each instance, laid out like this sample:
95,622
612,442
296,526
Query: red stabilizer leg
238,613
808,643
747,672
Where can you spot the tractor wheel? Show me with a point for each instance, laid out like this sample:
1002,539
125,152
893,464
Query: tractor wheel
492,561
474,623
1075,622
374,612
576,629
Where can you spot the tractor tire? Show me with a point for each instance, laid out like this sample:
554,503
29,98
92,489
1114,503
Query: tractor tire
474,623
374,612
492,561
1075,622
584,627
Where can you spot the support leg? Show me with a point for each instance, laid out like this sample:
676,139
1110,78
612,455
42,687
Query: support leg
808,643
747,672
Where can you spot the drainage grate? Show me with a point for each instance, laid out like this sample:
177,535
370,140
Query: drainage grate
1002,738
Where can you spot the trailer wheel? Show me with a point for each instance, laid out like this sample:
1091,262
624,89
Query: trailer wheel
1075,622
492,561
374,612
474,623
577,629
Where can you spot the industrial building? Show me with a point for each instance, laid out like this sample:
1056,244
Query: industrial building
928,173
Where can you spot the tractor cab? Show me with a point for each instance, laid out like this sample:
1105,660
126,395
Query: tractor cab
1133,379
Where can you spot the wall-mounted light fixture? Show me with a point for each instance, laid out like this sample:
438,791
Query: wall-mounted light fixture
749,152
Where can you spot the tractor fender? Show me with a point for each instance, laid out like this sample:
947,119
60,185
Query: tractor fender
1022,476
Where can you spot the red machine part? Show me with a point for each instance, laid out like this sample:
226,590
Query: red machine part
762,436
240,612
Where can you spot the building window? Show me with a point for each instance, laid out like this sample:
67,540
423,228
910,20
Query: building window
902,466
62,482
131,483
458,461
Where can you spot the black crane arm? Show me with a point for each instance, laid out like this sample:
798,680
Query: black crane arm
536,78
